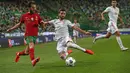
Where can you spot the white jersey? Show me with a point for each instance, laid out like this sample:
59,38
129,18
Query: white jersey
112,13
61,28
75,32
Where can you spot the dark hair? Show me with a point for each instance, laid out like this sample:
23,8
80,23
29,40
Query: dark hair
62,9
30,3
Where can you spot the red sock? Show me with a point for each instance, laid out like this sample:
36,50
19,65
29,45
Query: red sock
31,53
22,52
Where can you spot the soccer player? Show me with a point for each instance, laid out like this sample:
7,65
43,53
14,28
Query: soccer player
75,32
31,21
113,13
62,35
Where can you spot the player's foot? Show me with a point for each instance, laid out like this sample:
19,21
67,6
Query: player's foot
17,57
69,51
89,52
124,49
35,61
94,40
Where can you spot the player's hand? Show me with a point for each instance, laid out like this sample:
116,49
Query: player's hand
9,30
103,18
88,33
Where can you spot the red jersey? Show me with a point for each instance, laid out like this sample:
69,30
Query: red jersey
31,22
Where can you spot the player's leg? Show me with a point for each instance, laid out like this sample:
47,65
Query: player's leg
63,54
75,39
74,35
22,53
62,49
102,36
73,45
31,40
117,33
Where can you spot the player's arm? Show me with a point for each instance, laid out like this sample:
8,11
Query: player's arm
102,15
105,11
14,27
80,30
17,25
47,22
120,19
44,24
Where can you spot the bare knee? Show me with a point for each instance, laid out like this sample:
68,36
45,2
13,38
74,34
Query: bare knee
108,35
31,45
62,55
117,33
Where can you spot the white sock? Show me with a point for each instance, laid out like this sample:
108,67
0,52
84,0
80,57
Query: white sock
119,42
100,37
75,39
73,45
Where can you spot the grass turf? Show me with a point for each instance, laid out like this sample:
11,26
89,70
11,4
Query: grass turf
107,58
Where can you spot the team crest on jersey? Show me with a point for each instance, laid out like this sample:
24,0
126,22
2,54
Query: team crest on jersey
32,19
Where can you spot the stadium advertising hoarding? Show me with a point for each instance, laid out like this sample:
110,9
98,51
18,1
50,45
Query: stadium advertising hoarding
43,37
3,42
14,40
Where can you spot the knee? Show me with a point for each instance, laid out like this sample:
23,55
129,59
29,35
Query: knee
118,34
63,56
31,45
69,44
107,36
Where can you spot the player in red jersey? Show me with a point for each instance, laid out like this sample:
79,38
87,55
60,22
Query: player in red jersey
31,21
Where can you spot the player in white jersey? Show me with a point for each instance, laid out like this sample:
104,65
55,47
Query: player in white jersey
75,32
62,35
113,13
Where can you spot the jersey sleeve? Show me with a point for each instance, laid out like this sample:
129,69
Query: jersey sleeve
107,9
69,23
22,19
39,19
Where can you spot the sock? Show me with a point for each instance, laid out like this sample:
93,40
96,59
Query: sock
22,53
73,45
119,42
100,37
74,40
31,53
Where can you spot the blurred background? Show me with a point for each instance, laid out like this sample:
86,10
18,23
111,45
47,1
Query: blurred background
88,10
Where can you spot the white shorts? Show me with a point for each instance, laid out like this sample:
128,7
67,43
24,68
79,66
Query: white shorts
112,27
75,33
61,44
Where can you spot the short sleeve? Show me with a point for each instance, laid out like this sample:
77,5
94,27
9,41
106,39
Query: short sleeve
22,19
69,23
107,9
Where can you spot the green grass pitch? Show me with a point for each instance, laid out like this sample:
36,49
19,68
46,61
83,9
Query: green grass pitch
107,58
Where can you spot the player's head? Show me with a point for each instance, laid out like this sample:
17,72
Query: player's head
62,13
75,20
114,3
32,7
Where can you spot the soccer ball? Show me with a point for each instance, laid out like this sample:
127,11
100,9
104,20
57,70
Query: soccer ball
70,61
